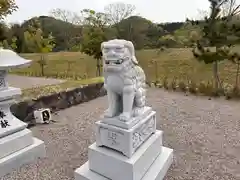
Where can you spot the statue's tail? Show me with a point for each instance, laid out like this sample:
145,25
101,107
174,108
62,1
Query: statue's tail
141,92
141,78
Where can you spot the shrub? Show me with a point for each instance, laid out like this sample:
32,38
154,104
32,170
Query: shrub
174,84
233,93
165,83
182,86
192,87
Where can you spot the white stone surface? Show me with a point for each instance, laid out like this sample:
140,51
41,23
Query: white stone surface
128,124
124,80
3,82
126,141
24,156
10,59
15,142
160,166
9,93
157,171
15,124
114,165
84,173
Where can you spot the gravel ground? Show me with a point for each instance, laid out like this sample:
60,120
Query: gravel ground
25,82
205,135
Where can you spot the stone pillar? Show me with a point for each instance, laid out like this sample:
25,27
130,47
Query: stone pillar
17,145
128,146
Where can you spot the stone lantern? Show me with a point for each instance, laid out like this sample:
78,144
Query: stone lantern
17,145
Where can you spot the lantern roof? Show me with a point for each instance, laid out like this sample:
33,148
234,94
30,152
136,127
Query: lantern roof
10,59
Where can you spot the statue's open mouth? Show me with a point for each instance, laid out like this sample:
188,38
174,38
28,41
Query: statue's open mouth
113,62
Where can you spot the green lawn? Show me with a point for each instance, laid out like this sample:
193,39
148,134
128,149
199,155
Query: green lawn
173,63
33,93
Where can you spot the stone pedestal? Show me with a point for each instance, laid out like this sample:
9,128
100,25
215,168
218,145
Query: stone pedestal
17,145
126,137
127,151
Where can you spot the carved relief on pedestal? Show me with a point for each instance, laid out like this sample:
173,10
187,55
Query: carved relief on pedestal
143,132
2,79
111,138
126,141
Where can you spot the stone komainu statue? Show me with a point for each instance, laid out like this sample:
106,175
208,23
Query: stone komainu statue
124,80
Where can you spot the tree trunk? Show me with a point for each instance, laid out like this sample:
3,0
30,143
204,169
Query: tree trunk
98,68
156,70
118,29
215,73
42,64
68,68
238,68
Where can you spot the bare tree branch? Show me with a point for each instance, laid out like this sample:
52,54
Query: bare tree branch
66,16
202,14
95,19
70,33
119,11
230,8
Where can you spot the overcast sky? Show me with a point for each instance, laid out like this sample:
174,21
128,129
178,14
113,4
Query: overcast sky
155,10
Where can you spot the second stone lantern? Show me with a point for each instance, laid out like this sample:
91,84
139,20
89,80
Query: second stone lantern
17,145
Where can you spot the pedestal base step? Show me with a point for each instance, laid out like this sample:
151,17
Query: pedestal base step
157,171
114,165
15,142
15,125
24,156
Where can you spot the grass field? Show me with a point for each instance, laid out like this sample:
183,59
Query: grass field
34,93
172,64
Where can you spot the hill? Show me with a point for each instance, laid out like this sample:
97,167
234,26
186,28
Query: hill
135,28
63,31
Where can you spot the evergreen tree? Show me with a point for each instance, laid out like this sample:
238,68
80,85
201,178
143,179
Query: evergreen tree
217,34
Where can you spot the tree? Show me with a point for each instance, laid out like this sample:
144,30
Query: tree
117,12
7,40
35,42
16,35
12,45
234,57
187,34
217,30
3,31
135,29
73,20
167,41
66,16
7,7
230,7
94,33
153,32
202,14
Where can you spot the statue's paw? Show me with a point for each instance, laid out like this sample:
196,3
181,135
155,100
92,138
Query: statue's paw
108,114
124,117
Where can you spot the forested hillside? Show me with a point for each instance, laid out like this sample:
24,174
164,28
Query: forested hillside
141,31
64,30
